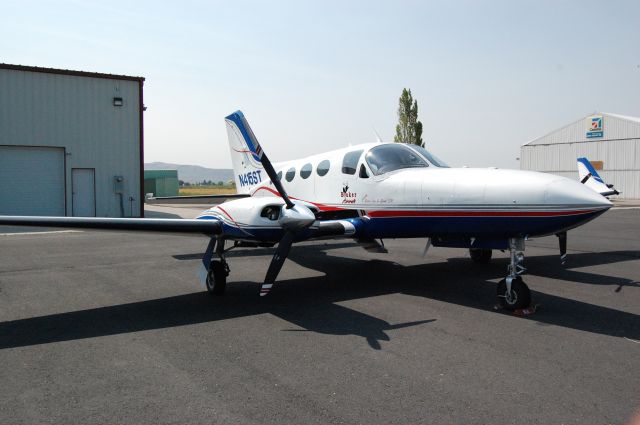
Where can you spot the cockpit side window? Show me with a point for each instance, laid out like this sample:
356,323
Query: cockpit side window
385,158
363,172
350,162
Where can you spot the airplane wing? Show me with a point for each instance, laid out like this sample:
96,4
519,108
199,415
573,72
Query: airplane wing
320,229
295,222
590,178
163,225
197,197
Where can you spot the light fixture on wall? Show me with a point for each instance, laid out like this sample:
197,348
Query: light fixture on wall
117,101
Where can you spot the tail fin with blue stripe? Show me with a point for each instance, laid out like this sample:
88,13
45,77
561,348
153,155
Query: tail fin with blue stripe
590,178
245,153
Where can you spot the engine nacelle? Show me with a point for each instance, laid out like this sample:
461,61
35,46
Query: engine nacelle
267,212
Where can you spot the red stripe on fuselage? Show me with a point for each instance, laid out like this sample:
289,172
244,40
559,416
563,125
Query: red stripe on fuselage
321,207
442,213
228,215
390,214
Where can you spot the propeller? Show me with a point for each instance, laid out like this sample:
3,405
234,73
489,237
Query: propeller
293,217
264,160
276,262
562,241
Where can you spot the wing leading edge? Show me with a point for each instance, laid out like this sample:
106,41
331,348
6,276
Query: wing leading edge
176,225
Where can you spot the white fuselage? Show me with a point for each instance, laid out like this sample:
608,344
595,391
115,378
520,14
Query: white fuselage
429,200
430,187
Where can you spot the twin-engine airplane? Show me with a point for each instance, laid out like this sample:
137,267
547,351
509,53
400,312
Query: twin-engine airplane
368,193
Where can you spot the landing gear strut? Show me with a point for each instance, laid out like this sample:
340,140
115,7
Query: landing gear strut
218,271
513,293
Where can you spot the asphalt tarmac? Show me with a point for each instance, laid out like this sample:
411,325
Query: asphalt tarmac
104,327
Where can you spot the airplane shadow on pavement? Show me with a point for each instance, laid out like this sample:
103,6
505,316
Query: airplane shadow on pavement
311,303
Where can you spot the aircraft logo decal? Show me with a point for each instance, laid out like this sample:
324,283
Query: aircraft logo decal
347,197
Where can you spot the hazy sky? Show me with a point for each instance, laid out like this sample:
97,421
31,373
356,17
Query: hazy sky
317,75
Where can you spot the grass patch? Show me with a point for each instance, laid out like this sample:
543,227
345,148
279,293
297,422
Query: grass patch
206,190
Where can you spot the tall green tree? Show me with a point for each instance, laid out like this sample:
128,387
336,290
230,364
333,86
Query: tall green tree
409,129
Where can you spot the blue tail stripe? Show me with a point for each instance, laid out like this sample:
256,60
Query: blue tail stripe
238,119
590,168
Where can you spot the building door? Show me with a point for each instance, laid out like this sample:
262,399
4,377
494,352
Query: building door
83,182
32,180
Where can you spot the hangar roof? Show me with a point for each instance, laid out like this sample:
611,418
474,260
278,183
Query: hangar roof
69,72
623,117
613,127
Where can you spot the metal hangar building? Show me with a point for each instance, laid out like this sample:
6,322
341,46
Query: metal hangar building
610,141
71,143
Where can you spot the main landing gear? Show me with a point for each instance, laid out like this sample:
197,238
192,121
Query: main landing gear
216,280
513,293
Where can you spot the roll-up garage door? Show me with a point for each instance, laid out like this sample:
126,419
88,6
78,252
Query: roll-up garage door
31,180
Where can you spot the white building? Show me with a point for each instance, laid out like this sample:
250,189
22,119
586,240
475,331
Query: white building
71,143
610,141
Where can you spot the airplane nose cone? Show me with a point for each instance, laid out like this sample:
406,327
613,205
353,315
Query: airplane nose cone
564,191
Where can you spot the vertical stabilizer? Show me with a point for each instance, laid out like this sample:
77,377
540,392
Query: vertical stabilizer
590,178
245,153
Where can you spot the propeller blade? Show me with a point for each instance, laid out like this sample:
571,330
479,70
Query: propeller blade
426,247
203,270
562,241
264,160
276,262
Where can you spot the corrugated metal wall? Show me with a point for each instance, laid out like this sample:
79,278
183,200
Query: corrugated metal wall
77,113
619,150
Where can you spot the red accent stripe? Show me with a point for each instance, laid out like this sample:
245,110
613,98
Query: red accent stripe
445,213
228,215
242,150
321,207
389,214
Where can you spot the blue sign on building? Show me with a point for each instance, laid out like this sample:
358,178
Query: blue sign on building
594,127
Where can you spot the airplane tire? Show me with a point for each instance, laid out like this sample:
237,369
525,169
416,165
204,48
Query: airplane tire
521,295
479,255
216,279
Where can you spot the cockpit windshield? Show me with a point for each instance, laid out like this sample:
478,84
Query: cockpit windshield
430,157
385,158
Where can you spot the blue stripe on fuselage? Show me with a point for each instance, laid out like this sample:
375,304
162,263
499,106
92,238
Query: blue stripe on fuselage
416,227
412,227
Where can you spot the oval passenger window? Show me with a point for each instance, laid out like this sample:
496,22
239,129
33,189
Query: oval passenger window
305,171
291,173
323,167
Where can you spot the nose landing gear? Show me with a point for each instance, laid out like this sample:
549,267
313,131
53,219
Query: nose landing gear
513,293
217,277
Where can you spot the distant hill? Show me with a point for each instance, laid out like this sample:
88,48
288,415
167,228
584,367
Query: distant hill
193,173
